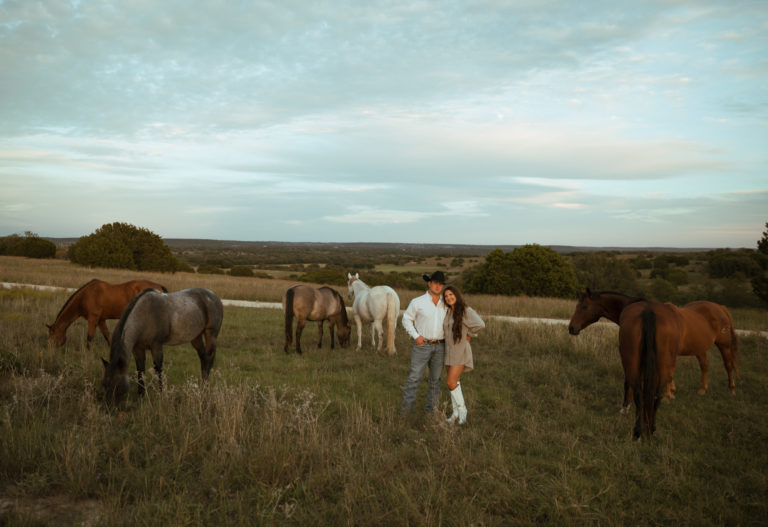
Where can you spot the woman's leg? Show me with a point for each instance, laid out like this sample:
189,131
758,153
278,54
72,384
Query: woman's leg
452,376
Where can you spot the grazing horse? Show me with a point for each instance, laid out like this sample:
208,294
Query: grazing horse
307,303
153,319
702,324
374,304
96,301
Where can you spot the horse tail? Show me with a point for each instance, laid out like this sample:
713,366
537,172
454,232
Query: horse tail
288,306
648,368
734,341
393,310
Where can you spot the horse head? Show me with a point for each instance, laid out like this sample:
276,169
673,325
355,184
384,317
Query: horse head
344,332
588,311
56,337
351,280
115,384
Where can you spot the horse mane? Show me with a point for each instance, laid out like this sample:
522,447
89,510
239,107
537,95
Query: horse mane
73,295
337,295
632,299
117,335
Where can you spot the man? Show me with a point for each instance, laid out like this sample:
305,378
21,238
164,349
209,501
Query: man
423,320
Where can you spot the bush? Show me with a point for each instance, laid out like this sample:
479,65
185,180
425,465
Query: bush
123,246
725,263
531,270
241,270
30,246
207,268
604,272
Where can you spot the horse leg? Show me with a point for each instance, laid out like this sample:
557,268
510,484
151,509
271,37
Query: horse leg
627,398
704,365
376,327
670,392
320,335
725,353
157,361
105,331
205,363
288,335
93,321
359,325
140,354
331,329
299,328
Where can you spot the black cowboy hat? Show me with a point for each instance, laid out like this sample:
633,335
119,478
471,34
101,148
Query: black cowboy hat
437,276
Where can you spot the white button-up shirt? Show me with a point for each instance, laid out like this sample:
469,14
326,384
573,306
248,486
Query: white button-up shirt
425,318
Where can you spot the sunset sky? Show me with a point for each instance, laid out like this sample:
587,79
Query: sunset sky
598,123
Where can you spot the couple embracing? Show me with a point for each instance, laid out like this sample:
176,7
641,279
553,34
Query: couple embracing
441,325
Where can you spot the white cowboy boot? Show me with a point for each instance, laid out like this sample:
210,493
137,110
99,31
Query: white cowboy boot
459,408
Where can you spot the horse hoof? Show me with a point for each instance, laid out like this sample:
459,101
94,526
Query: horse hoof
624,410
702,391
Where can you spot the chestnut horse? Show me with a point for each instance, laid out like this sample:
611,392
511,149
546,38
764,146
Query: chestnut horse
96,301
307,303
702,324
154,319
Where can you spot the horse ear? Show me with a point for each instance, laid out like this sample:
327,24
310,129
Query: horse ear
47,325
105,363
357,276
349,275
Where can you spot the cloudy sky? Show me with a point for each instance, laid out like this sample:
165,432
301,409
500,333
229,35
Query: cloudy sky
601,123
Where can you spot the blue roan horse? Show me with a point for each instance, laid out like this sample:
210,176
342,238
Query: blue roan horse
153,319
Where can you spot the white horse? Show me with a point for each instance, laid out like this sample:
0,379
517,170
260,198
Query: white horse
374,304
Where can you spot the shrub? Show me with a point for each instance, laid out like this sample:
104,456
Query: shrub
604,272
241,270
123,246
30,246
531,270
207,268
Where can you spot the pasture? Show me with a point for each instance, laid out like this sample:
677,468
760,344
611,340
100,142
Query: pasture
316,439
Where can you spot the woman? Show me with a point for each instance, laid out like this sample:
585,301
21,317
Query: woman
459,326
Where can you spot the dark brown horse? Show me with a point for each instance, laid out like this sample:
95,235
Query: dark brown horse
96,301
307,303
701,325
154,319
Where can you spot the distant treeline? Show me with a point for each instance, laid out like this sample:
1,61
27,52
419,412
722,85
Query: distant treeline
737,278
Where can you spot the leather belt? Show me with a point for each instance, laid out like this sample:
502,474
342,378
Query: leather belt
436,341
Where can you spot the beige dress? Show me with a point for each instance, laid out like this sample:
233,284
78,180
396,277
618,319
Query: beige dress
457,353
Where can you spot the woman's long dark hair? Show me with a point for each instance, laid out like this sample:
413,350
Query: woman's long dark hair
457,312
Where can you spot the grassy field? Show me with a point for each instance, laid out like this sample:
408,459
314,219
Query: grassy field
316,439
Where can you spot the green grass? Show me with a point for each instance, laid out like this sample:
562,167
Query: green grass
316,439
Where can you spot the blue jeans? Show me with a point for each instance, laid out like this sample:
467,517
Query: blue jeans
432,355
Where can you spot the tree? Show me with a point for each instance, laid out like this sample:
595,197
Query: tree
124,246
760,282
531,270
762,243
30,245
604,272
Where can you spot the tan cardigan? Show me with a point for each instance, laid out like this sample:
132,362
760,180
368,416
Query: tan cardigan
457,353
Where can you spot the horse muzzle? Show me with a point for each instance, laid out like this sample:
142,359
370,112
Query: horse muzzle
573,330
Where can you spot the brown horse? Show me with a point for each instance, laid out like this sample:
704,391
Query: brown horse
96,301
700,324
649,340
307,303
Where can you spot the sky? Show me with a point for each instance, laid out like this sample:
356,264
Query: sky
490,122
